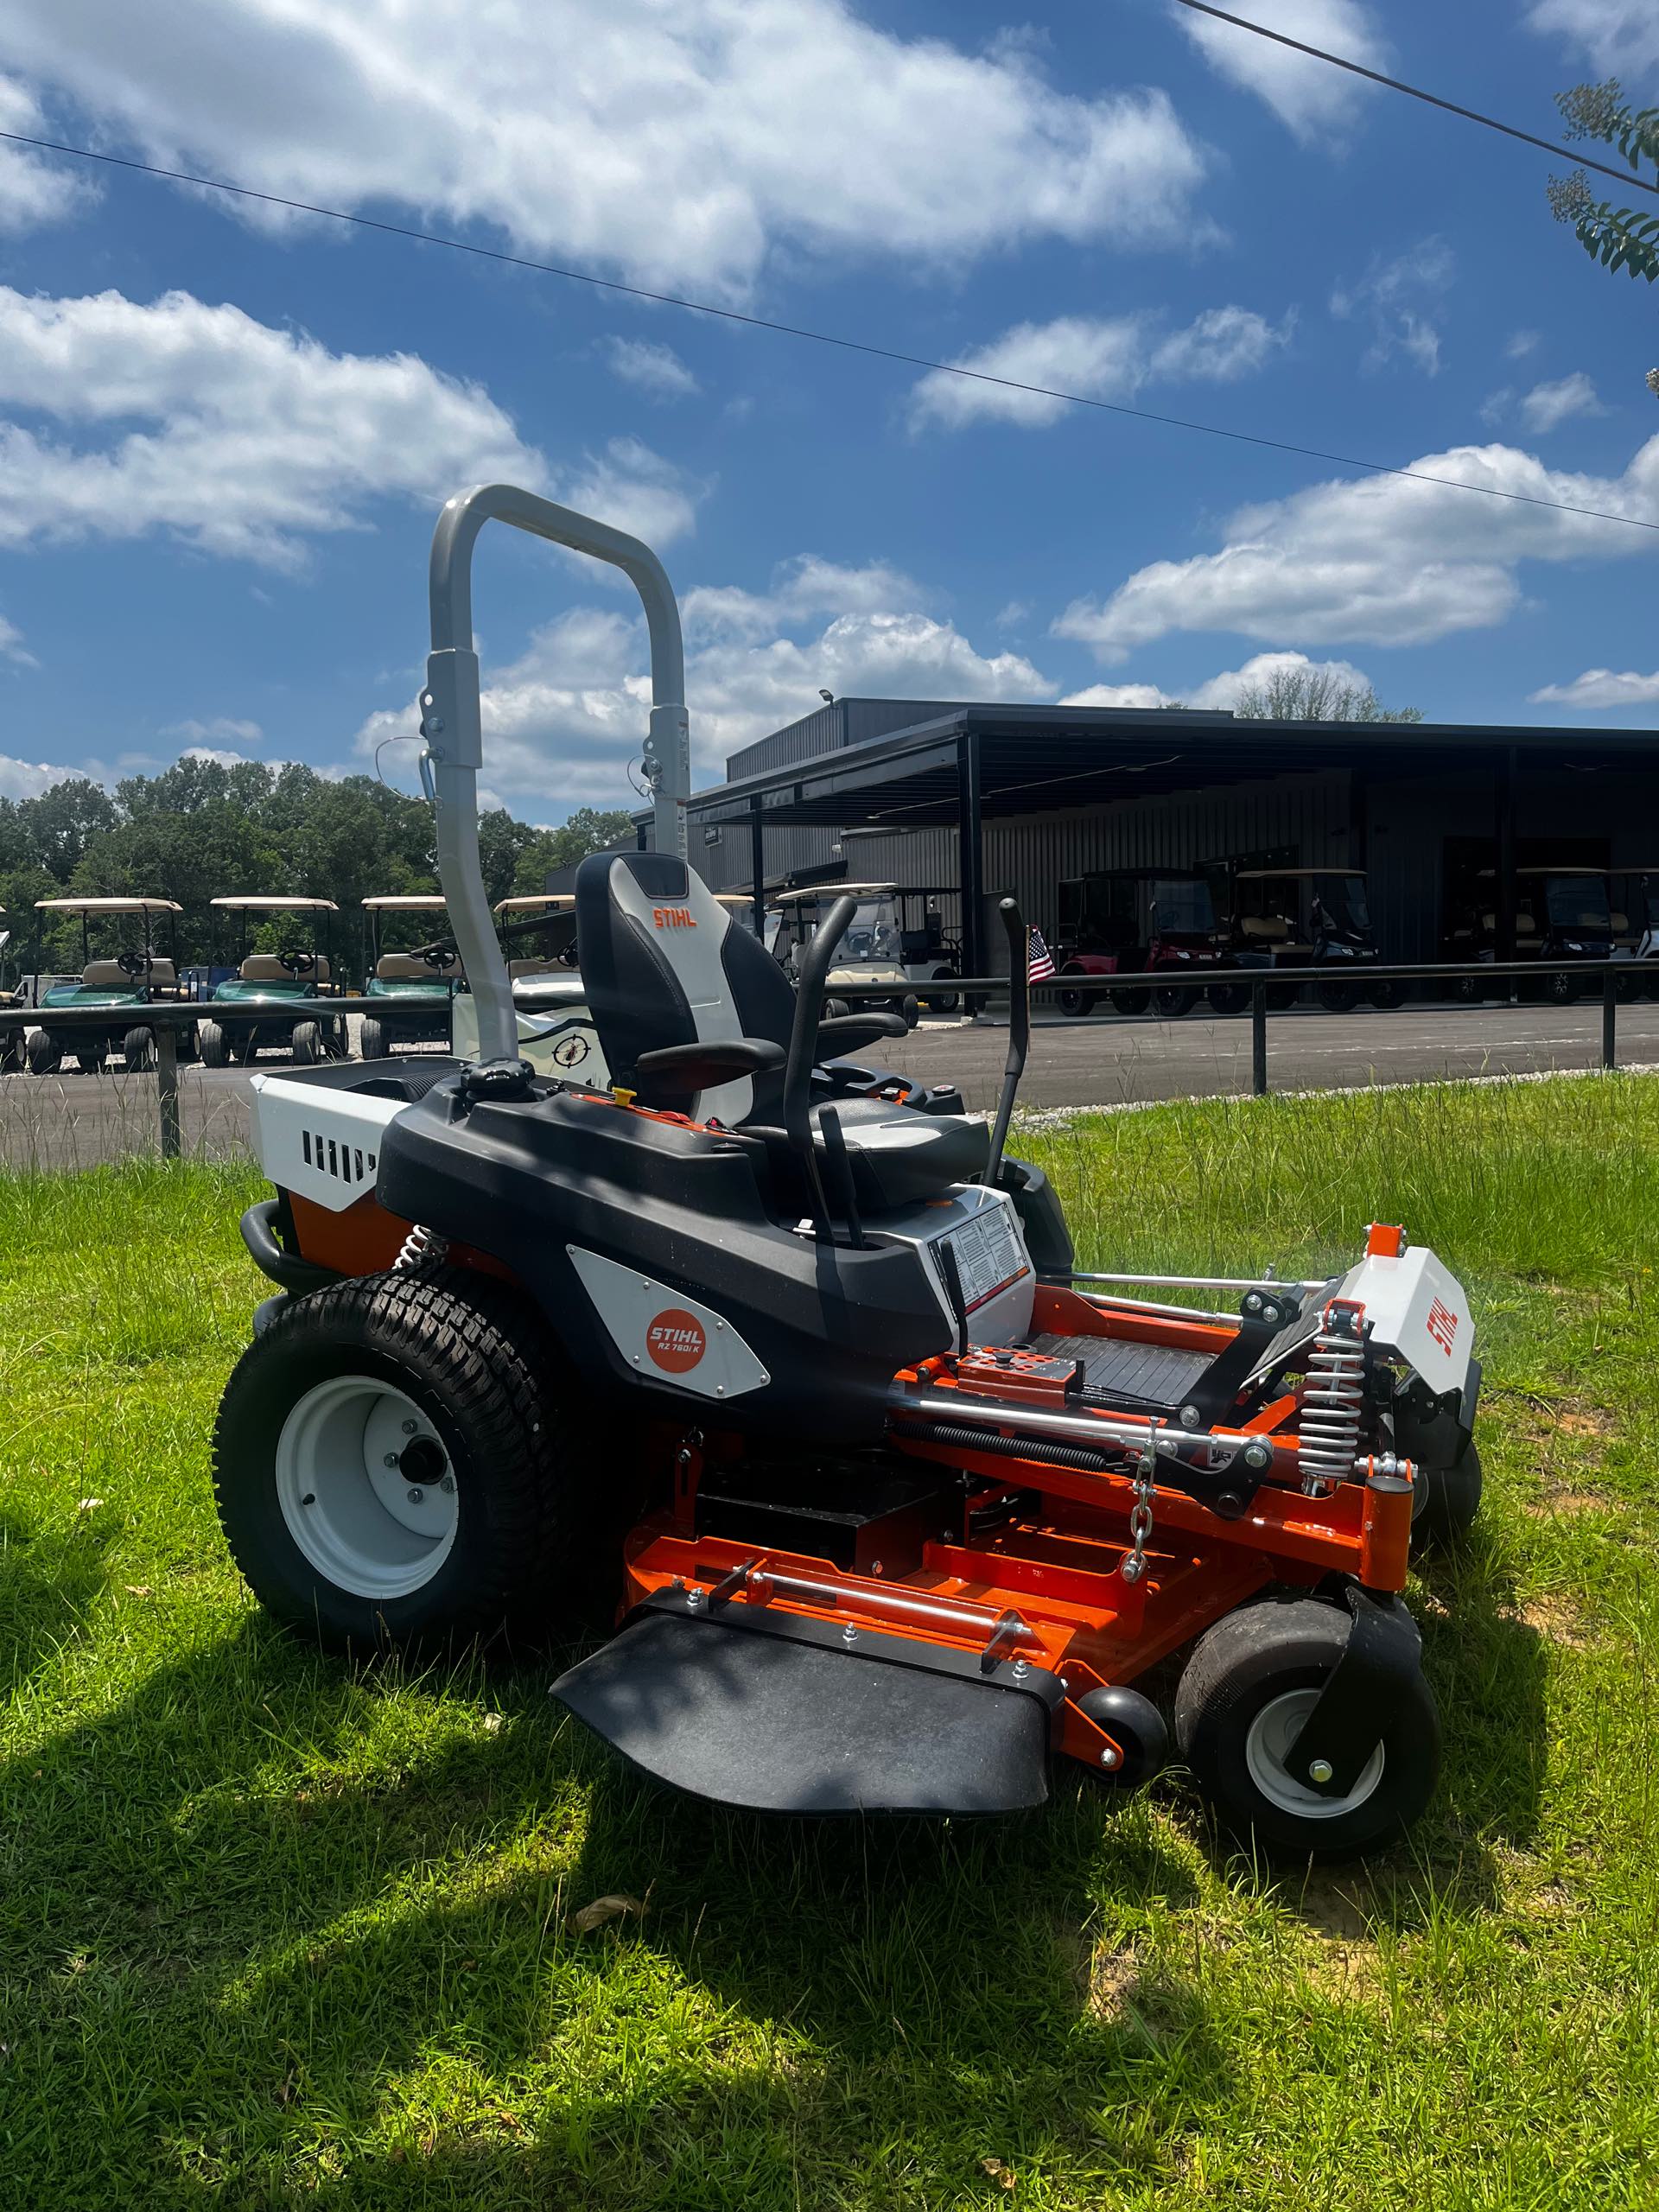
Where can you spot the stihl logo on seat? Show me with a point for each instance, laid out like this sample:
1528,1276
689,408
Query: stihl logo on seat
673,918
676,1340
1442,1324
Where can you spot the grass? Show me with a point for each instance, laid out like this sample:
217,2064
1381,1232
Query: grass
274,1934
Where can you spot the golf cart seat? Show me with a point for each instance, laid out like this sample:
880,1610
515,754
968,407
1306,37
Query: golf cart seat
664,966
105,975
411,967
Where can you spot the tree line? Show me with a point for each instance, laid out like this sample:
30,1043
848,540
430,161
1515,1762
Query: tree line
201,830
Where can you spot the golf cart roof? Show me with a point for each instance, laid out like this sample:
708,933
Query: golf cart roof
110,905
263,900
554,901
732,898
835,890
406,901
1264,874
1574,870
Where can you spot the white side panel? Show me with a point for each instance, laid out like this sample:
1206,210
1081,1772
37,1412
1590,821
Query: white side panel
324,1144
560,1042
1417,1308
690,932
667,1336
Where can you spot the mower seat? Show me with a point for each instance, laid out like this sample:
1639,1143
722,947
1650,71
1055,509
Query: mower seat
663,965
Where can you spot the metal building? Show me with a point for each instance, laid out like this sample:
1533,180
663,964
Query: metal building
998,798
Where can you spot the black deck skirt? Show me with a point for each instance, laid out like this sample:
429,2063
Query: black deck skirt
779,1726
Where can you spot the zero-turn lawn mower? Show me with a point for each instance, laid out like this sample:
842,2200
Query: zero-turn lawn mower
779,1367
275,998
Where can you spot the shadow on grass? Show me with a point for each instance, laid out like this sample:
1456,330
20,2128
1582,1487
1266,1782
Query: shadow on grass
48,1582
238,1949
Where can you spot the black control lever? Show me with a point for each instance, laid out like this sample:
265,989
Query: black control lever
804,1050
1013,924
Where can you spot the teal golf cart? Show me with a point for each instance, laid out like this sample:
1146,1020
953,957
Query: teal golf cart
121,981
414,987
275,998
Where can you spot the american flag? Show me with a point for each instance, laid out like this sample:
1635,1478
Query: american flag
1040,959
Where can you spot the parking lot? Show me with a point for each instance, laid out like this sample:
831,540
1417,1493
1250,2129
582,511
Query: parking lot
74,1121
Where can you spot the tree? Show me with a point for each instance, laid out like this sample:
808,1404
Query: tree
1315,695
589,829
1618,238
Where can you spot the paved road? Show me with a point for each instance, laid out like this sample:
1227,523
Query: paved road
75,1121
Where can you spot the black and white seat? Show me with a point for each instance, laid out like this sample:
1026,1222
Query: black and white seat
666,970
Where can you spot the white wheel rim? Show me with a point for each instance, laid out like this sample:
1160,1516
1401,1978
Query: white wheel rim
1272,1734
375,1517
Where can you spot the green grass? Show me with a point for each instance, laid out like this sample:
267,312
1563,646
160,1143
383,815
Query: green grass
274,1933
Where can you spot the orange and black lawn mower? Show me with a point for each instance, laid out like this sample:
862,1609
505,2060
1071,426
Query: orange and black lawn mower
778,1367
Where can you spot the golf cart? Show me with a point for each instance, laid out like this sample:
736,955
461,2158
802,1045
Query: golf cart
1301,917
418,986
1561,914
12,1000
1140,922
122,983
274,998
871,966
1633,900
777,1369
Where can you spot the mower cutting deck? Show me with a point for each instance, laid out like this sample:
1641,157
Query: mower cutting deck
782,1370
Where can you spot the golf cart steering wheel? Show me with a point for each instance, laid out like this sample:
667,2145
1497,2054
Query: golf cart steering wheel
131,963
569,957
438,956
298,963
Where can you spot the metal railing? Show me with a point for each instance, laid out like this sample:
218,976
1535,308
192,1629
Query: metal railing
166,1017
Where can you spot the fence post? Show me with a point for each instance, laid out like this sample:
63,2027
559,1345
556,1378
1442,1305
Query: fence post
166,1086
1609,1021
1258,1040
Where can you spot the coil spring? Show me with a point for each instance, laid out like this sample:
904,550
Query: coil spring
421,1244
1333,1399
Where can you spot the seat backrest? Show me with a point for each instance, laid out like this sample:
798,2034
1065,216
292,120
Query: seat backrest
106,975
1264,925
262,968
664,964
403,968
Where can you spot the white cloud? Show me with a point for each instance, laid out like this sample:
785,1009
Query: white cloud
1386,561
562,722
1521,342
1219,693
658,371
1309,97
217,754
1395,298
12,647
33,189
678,143
1097,358
1618,36
1601,687
29,779
243,439
1548,406
218,729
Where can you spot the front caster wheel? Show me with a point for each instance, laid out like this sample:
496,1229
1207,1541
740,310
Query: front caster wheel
1135,1724
391,1469
1252,1680
1445,1502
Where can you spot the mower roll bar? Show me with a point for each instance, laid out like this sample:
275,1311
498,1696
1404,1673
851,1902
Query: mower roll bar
804,1050
451,719
1013,926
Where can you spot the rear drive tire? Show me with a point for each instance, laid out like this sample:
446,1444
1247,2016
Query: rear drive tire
371,1039
1170,1005
138,1049
941,1001
1229,998
1447,1500
306,1044
835,1009
43,1054
1281,996
1132,1001
340,1425
1251,1681
1388,995
1563,986
1338,998
13,1053
210,1043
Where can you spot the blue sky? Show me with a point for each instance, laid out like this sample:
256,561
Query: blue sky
222,437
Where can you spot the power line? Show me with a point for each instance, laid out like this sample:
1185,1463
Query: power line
1433,99
817,337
